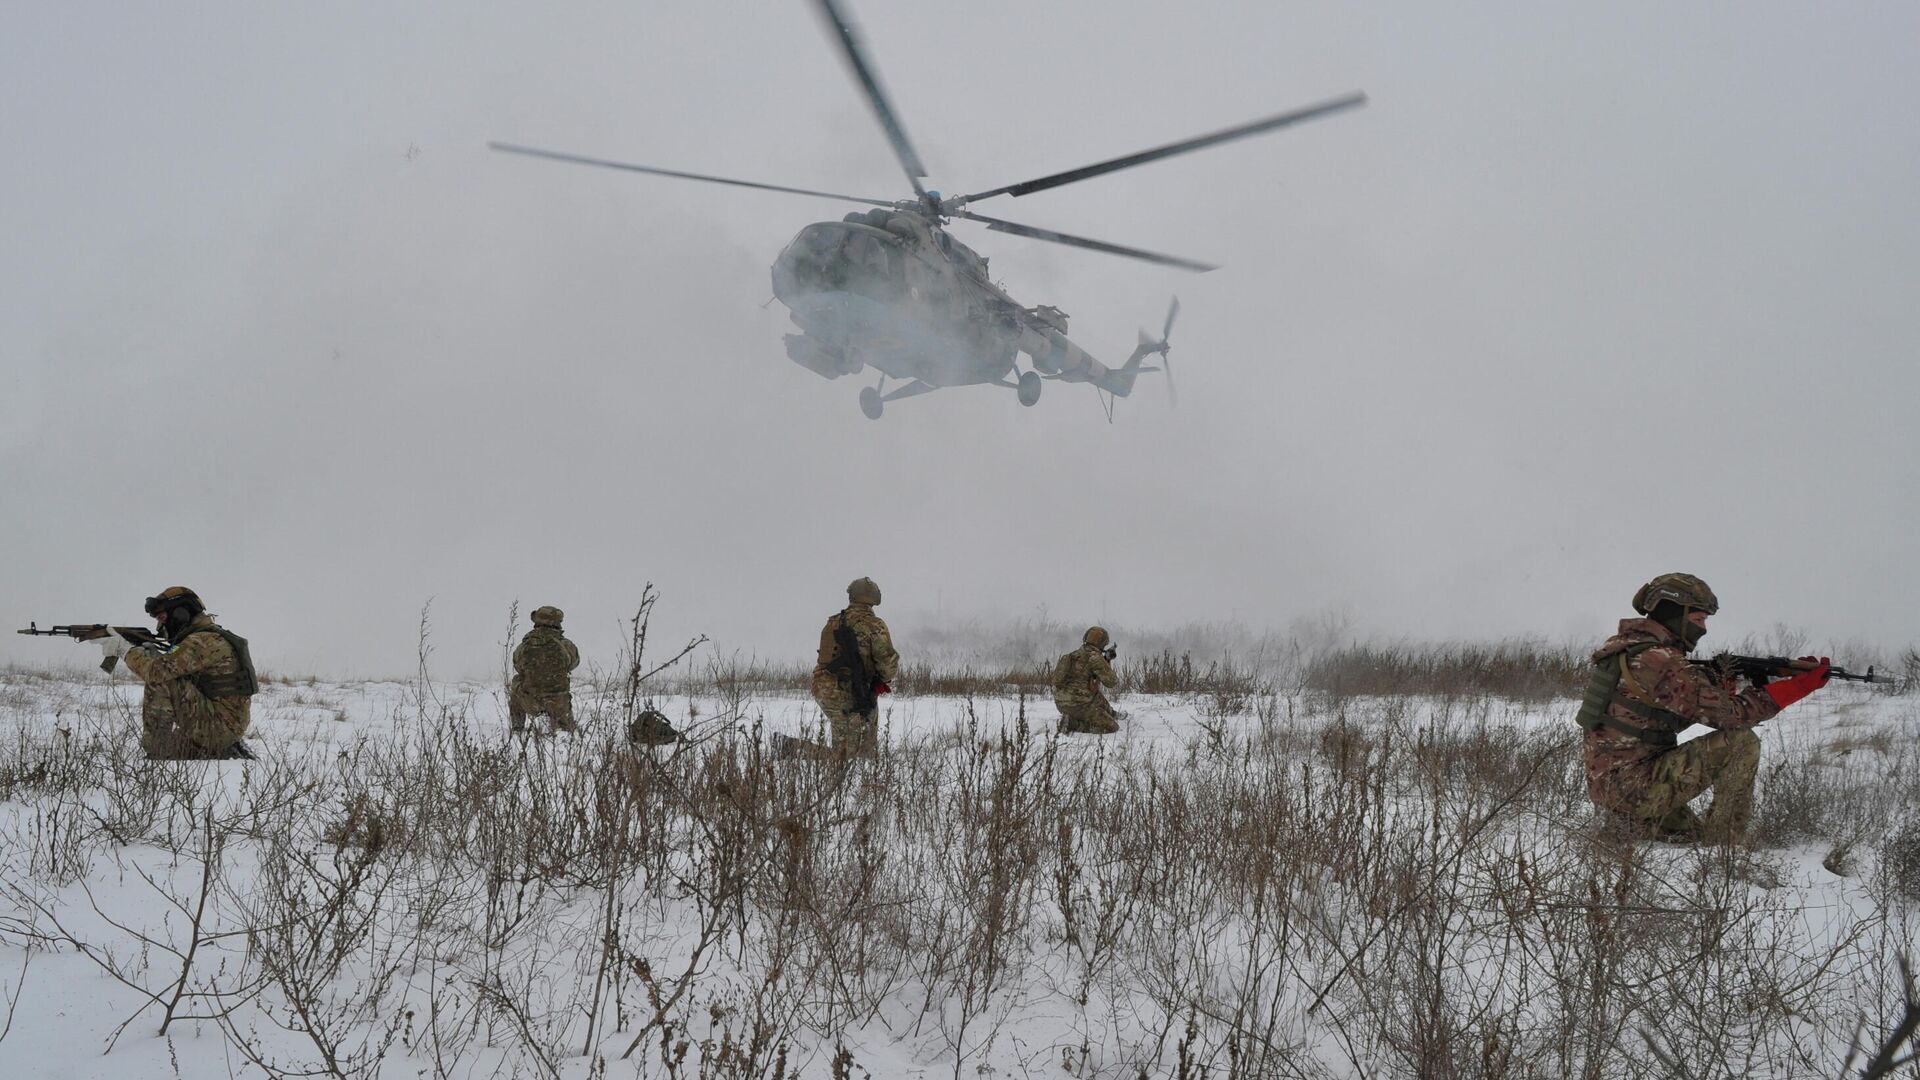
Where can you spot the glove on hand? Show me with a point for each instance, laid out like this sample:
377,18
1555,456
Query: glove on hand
1787,691
113,646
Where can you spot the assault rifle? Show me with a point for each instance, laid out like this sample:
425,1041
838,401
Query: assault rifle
850,668
1758,669
96,631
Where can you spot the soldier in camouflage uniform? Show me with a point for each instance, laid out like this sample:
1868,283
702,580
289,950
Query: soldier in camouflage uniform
543,664
199,692
1077,679
1644,693
854,732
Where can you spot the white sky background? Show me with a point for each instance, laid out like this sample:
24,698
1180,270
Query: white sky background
1583,295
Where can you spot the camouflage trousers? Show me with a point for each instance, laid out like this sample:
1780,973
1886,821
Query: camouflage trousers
1095,717
1724,762
179,723
556,707
853,733
853,737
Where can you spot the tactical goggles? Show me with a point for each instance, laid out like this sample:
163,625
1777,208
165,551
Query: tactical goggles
157,606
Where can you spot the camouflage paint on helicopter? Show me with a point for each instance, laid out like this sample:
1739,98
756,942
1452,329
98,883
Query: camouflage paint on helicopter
890,288
884,289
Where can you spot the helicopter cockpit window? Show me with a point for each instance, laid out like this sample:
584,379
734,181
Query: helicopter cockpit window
817,262
869,270
848,260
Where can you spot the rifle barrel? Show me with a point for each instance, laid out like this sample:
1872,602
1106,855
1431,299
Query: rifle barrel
1780,666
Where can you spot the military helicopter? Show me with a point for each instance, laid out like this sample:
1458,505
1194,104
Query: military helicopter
890,288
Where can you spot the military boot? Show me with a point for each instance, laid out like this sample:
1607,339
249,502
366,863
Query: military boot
1679,826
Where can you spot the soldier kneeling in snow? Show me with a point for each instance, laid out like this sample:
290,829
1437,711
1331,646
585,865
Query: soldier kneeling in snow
1644,693
1077,680
542,674
199,685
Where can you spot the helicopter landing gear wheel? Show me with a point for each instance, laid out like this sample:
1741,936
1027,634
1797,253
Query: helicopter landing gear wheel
1029,389
870,402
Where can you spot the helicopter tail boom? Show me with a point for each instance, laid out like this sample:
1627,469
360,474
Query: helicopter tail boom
1057,357
1119,381
1061,359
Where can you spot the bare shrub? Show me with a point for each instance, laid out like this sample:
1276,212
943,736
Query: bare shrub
967,680
1162,673
1314,885
1527,671
1900,860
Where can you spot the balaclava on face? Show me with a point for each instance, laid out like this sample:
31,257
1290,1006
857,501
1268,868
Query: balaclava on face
1674,617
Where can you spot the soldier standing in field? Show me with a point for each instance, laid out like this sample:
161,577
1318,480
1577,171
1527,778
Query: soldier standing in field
1644,693
198,700
543,666
1077,681
855,665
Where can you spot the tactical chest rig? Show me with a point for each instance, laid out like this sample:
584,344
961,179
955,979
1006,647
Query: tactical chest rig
1603,690
240,682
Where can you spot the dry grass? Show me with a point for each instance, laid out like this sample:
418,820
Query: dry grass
1518,670
1375,878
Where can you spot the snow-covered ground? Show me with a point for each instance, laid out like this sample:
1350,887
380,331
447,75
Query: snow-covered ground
1270,886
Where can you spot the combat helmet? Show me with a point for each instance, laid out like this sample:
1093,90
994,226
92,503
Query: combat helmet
548,615
172,597
1096,636
651,728
1683,589
863,591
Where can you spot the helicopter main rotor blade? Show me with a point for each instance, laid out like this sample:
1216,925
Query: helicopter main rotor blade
849,39
576,159
1028,187
1172,310
1070,240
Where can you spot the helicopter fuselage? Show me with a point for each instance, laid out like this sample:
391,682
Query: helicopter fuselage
890,290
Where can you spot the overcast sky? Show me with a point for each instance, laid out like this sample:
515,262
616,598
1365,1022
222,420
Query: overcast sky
1586,293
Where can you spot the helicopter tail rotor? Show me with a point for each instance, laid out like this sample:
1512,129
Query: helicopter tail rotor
1166,357
1149,347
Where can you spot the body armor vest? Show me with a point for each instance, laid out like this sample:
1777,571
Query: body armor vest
544,663
1603,690
241,682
